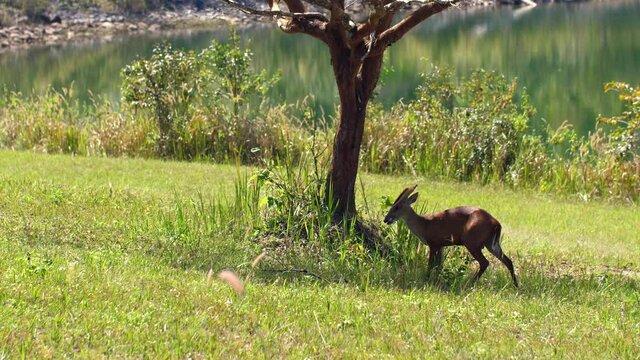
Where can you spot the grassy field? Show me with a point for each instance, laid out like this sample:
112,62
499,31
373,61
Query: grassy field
109,258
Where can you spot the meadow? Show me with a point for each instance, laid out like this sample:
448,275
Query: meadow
108,257
116,219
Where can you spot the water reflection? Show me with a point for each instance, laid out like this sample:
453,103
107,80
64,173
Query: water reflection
562,54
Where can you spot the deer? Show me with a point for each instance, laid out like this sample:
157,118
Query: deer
471,227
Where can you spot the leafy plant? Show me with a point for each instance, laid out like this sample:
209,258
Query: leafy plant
626,133
167,85
229,72
469,131
476,129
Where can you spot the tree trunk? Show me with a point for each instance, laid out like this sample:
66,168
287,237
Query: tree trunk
355,81
346,150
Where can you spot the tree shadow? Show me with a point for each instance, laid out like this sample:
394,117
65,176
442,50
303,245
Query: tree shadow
538,279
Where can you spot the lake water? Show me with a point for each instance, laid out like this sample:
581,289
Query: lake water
561,53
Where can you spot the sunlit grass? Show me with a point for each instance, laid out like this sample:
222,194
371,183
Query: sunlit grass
109,258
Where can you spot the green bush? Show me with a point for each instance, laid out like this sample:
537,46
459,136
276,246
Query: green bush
34,8
229,73
134,6
625,137
167,85
467,131
201,101
478,129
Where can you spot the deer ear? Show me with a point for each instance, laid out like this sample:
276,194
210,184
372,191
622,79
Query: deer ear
412,198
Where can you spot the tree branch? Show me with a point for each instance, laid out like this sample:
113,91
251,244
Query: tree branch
278,13
325,4
397,31
310,23
295,6
369,74
378,22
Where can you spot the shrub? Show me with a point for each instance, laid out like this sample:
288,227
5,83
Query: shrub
625,136
199,101
478,130
167,85
34,9
230,76
467,131
133,6
473,130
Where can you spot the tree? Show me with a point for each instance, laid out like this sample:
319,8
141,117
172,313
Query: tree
356,48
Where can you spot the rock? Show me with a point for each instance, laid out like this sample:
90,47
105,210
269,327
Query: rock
48,19
115,19
51,39
69,25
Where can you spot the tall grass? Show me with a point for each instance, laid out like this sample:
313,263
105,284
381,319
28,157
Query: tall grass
479,130
54,122
277,211
476,130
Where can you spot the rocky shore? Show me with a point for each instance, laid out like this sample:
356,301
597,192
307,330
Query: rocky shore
76,27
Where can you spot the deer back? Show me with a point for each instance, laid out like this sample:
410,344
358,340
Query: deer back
451,226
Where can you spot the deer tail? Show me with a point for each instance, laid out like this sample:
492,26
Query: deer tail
495,242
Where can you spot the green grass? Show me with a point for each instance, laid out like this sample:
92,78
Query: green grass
108,258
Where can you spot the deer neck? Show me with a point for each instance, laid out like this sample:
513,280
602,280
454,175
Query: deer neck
414,222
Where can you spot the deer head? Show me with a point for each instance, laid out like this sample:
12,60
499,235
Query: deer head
401,206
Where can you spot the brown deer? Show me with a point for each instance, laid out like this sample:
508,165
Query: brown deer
469,226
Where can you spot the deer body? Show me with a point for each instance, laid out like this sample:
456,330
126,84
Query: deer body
471,227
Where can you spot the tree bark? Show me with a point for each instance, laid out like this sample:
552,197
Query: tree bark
346,153
356,79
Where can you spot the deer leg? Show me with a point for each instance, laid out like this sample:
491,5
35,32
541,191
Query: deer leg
435,258
484,263
496,250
